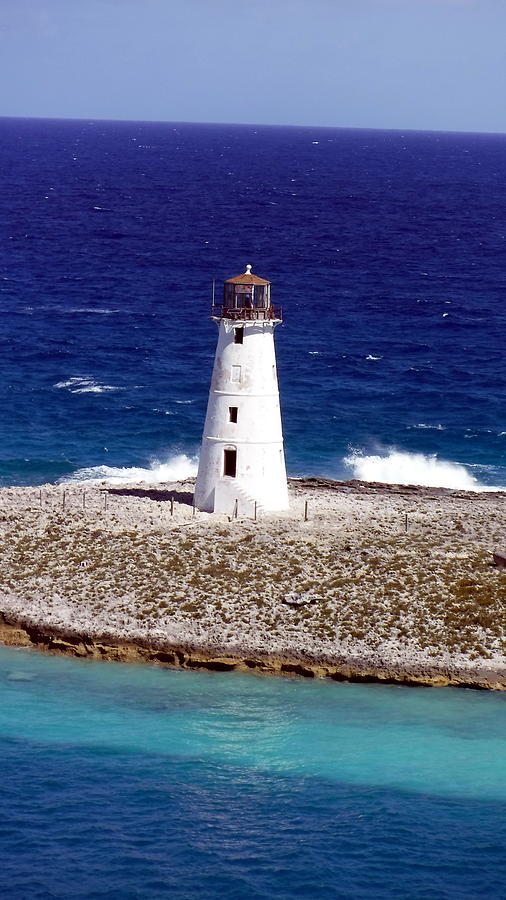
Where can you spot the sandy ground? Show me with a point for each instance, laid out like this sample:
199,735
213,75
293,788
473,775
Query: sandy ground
388,582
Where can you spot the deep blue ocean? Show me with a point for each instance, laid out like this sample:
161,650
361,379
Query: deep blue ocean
387,254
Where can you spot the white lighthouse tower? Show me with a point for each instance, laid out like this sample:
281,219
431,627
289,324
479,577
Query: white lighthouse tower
242,464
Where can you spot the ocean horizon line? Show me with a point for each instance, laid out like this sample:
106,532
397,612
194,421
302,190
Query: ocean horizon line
248,124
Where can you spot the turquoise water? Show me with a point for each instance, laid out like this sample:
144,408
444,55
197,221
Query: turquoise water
142,782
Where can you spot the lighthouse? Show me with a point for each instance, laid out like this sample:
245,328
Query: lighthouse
242,464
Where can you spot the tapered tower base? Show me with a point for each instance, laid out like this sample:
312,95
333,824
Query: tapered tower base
242,465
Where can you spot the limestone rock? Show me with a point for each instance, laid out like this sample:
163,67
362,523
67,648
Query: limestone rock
67,647
500,558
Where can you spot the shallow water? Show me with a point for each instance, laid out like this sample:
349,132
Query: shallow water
135,781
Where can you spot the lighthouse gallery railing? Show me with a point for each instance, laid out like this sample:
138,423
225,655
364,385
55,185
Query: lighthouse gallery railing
247,313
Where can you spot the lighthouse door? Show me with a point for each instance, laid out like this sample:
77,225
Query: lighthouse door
230,463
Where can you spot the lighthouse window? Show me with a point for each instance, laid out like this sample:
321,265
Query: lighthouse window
236,373
230,463
238,335
232,414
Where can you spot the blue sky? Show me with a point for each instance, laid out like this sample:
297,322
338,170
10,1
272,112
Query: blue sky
423,64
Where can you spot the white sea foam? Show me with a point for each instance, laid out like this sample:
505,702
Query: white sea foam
400,467
80,385
373,357
95,389
90,309
64,311
424,425
176,468
69,383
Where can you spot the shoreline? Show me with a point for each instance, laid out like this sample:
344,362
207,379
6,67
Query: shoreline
381,583
17,634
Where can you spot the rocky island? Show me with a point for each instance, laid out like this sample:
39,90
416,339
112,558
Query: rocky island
358,581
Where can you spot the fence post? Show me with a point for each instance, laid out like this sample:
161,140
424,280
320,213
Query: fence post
406,523
236,508
64,497
172,506
306,504
255,510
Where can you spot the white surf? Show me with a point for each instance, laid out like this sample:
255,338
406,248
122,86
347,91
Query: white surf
176,468
401,467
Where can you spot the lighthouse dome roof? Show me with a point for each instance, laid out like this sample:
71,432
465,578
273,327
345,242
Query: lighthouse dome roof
247,278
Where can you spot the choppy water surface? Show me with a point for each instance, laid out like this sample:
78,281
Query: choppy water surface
142,783
386,251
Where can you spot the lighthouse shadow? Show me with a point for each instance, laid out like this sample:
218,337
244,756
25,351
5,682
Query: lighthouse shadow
161,496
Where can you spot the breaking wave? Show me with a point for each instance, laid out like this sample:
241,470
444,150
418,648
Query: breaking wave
176,468
401,467
79,385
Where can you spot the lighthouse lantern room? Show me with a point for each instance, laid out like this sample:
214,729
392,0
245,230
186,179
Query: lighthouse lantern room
242,466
